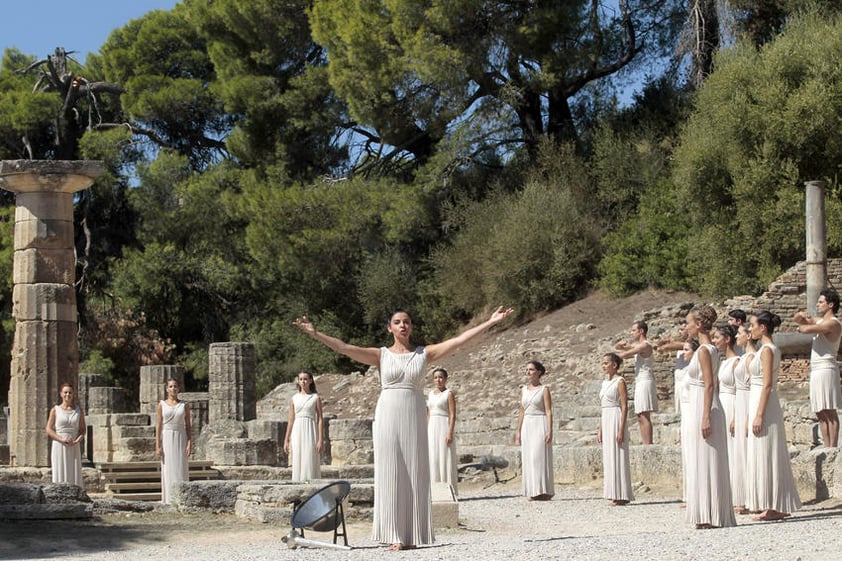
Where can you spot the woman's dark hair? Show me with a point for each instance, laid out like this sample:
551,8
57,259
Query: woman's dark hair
615,358
831,297
397,311
442,370
738,315
729,332
768,320
177,383
312,381
538,366
694,344
706,316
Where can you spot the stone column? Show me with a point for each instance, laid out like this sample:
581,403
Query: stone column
231,382
45,352
816,243
153,382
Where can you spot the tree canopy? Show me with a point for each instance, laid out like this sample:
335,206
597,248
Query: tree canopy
271,158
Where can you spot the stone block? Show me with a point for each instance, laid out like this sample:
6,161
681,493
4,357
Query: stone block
74,511
131,419
51,302
64,493
218,496
32,266
350,429
21,493
133,449
241,451
133,431
35,206
49,233
103,400
4,455
351,452
445,506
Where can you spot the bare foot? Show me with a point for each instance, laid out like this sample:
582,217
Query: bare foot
741,510
618,502
544,497
770,515
704,526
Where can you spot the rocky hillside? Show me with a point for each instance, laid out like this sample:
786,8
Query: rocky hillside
487,373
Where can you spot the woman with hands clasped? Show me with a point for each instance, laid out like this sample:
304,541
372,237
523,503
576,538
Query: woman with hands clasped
305,430
708,481
402,503
173,440
535,435
770,485
66,427
613,434
441,421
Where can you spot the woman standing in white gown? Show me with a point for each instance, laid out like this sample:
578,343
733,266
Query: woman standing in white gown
66,427
708,482
724,339
305,430
770,485
402,502
173,441
441,420
740,424
613,434
535,435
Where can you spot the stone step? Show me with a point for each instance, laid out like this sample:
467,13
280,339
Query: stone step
135,480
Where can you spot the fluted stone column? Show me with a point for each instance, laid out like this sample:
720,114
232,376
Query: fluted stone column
231,382
45,352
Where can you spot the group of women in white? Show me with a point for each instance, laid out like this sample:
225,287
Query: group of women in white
733,441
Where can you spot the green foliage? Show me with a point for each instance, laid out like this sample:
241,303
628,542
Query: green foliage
649,249
410,71
765,122
272,81
534,249
97,363
162,62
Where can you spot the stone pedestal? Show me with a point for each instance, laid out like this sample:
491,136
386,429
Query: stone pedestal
231,382
45,353
153,385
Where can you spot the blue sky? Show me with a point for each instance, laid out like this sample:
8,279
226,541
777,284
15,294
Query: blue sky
37,27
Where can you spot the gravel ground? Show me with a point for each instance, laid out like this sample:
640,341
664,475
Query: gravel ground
496,523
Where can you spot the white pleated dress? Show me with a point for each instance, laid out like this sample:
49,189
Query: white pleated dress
616,467
645,392
174,465
769,481
728,399
443,459
536,455
682,390
306,464
825,389
67,460
402,502
741,429
708,480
